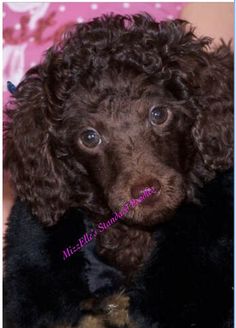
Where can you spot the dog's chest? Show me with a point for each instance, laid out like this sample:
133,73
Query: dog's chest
126,248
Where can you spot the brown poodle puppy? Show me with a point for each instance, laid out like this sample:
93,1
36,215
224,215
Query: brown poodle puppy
121,104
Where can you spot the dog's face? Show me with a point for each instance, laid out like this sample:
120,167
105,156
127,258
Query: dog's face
136,136
123,103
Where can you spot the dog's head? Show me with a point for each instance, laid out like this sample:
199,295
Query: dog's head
121,104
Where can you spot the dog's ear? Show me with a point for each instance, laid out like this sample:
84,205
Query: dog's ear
32,153
204,79
213,135
213,131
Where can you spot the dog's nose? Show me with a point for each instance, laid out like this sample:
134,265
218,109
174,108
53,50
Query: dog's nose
137,189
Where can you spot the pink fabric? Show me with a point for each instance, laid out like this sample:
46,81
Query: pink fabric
31,28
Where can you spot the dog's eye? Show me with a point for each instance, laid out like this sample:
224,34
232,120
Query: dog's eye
158,115
90,138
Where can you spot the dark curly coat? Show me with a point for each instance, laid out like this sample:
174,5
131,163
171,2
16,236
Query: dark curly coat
120,104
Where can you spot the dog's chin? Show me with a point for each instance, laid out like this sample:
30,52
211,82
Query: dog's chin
145,218
160,211
154,211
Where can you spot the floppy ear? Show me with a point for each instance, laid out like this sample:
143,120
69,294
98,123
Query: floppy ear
204,80
31,152
213,134
213,131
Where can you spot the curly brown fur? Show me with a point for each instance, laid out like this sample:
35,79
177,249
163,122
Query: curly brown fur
107,74
112,311
120,241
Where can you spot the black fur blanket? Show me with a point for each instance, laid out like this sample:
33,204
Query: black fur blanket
188,282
